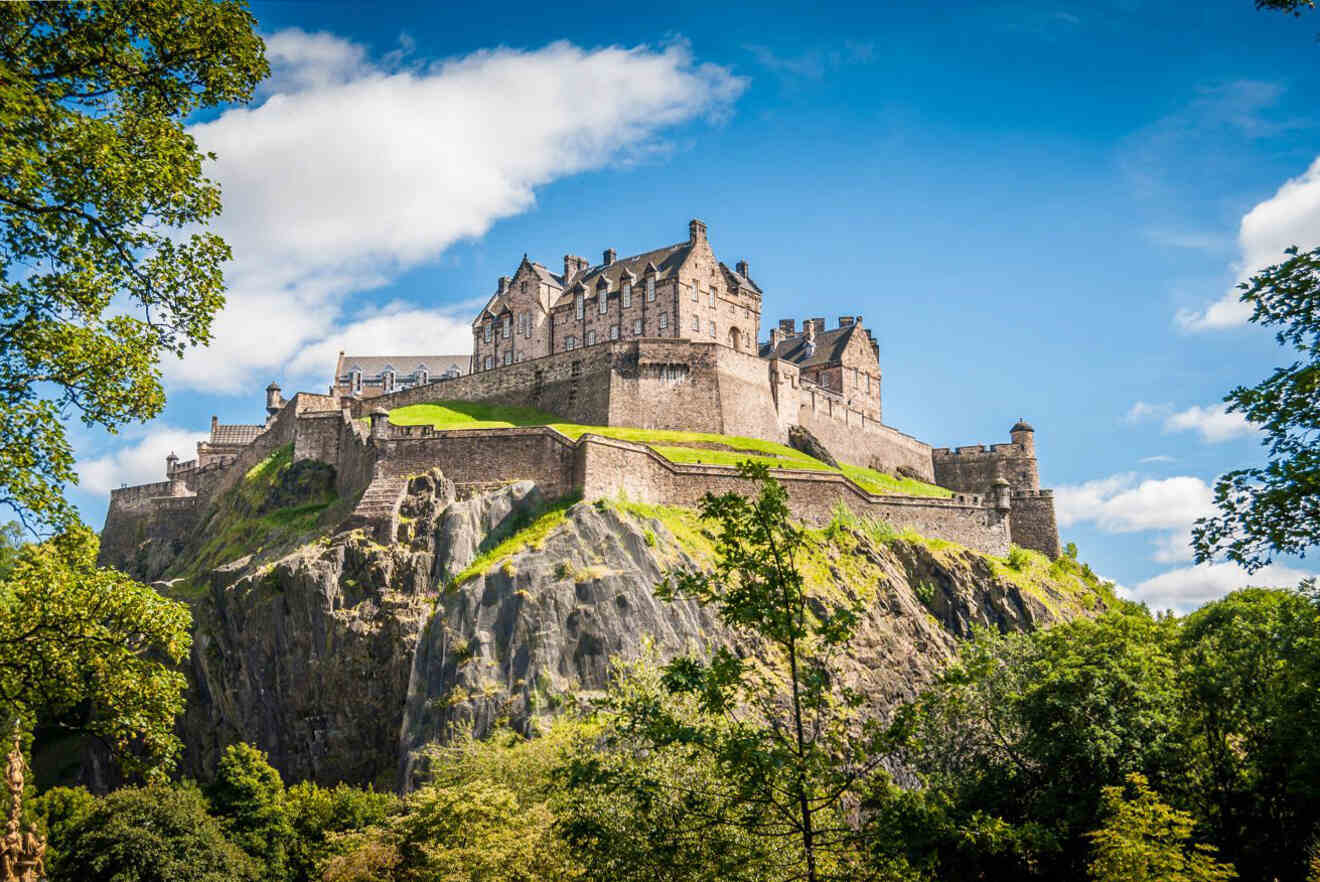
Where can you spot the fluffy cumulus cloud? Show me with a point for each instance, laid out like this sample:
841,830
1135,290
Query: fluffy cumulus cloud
139,462
1186,588
1213,423
1126,504
352,170
1289,217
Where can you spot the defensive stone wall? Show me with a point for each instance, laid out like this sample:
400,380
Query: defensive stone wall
974,468
481,456
1032,523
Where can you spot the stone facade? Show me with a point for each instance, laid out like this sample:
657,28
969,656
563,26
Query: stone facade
366,376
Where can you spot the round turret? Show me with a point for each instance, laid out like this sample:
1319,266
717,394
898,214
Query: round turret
170,462
1023,435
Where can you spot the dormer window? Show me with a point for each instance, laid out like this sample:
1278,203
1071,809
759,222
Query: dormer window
422,374
508,326
355,379
627,294
577,305
486,332
650,289
603,299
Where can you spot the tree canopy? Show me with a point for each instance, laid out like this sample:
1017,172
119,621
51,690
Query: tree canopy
104,265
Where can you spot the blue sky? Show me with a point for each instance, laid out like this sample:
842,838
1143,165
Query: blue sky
1039,210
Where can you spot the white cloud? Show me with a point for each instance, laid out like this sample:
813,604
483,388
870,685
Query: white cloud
1214,423
1122,504
1289,217
138,463
397,329
1160,457
350,172
1175,547
1186,588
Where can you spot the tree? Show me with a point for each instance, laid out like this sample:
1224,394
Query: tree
248,795
1144,840
152,834
781,725
87,649
319,815
1275,509
102,270
1015,742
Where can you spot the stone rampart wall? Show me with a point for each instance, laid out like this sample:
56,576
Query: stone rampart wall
974,468
611,468
479,456
1032,522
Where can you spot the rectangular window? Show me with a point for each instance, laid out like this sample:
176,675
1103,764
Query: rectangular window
696,323
591,338
603,296
712,296
627,294
570,341
508,326
637,327
487,363
487,332
696,292
650,289
712,327
614,332
664,320
508,358
577,303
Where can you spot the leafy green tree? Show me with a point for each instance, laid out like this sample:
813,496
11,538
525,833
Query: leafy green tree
484,814
152,834
102,270
1274,509
87,649
61,810
1144,840
248,795
784,726
1015,742
1248,666
320,815
634,812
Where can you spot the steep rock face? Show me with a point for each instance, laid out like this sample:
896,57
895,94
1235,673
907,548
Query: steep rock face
343,658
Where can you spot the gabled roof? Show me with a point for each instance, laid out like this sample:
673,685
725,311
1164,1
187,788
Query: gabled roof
828,349
374,365
739,280
235,434
666,261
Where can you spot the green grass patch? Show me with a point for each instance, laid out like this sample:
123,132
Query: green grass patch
527,531
674,445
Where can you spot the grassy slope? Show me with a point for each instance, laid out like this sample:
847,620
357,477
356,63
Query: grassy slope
676,446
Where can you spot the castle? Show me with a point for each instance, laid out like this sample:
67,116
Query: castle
666,339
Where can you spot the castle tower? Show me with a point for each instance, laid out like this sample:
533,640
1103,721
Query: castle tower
170,462
274,401
1024,435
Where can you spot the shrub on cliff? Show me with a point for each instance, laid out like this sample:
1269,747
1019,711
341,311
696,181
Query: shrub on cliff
248,795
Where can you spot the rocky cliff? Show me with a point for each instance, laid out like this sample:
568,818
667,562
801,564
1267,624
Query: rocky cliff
342,656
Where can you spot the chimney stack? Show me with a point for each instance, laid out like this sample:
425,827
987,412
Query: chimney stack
741,266
504,284
787,327
845,321
696,231
573,265
775,336
610,255
215,424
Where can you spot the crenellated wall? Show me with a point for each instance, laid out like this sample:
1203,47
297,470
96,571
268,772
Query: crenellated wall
974,468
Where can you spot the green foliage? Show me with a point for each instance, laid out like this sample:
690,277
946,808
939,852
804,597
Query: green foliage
87,649
1144,840
248,795
320,815
1270,510
60,810
100,189
527,530
484,815
1018,558
790,732
674,445
152,834
1070,551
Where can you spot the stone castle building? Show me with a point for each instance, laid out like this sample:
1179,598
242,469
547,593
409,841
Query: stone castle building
666,339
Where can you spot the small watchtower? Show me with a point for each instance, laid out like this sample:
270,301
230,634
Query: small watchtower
274,401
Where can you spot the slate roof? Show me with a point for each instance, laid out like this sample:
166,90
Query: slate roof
235,434
829,347
404,365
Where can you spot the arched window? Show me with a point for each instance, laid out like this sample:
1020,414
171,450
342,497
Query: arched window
735,337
